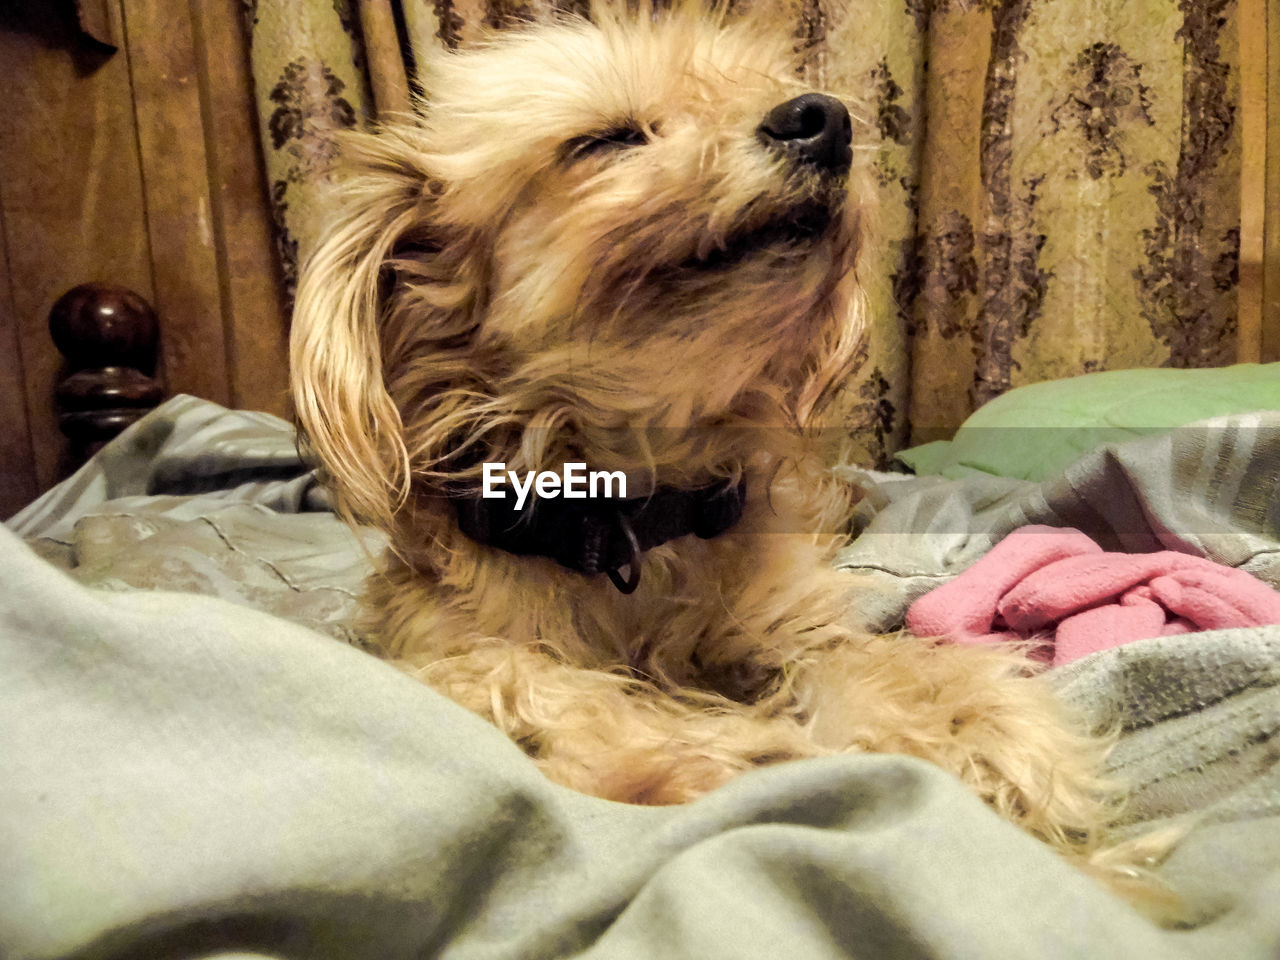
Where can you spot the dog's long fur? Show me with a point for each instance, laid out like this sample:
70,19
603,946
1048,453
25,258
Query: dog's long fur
500,289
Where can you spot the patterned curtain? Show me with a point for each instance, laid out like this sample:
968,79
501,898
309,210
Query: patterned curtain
1058,180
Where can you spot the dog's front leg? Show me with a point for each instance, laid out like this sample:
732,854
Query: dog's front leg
608,734
978,712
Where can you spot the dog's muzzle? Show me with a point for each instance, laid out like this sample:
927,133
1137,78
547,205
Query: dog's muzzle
813,130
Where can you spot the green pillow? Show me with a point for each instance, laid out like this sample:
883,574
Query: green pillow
1034,431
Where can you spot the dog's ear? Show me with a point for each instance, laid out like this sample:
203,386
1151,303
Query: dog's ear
347,314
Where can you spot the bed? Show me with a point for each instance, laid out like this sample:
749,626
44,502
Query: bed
199,759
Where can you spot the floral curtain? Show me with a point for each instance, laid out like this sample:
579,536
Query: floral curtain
1058,180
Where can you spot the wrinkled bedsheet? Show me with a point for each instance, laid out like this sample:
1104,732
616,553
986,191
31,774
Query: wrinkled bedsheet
196,776
201,499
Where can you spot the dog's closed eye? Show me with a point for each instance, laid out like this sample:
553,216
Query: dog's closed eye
603,141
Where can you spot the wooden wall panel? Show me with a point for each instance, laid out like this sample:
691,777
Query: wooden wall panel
71,194
252,292
163,67
17,457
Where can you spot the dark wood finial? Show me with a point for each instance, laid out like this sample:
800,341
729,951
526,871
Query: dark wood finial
110,337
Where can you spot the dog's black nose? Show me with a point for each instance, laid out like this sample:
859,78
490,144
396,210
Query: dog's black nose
814,129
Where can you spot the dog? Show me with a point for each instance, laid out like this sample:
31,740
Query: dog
629,244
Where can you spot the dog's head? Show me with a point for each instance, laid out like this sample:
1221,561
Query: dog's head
610,242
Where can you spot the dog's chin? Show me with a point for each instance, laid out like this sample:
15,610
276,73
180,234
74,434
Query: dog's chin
794,230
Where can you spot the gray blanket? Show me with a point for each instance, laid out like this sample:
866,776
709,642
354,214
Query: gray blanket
201,499
189,776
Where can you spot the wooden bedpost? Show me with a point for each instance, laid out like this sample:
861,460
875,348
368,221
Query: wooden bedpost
109,336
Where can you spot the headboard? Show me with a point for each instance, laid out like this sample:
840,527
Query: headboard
110,338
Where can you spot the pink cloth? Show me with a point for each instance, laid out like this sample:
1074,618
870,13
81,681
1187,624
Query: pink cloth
1059,586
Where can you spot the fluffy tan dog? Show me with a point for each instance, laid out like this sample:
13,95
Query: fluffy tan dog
631,244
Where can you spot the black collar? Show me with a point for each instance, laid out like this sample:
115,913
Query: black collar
601,536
